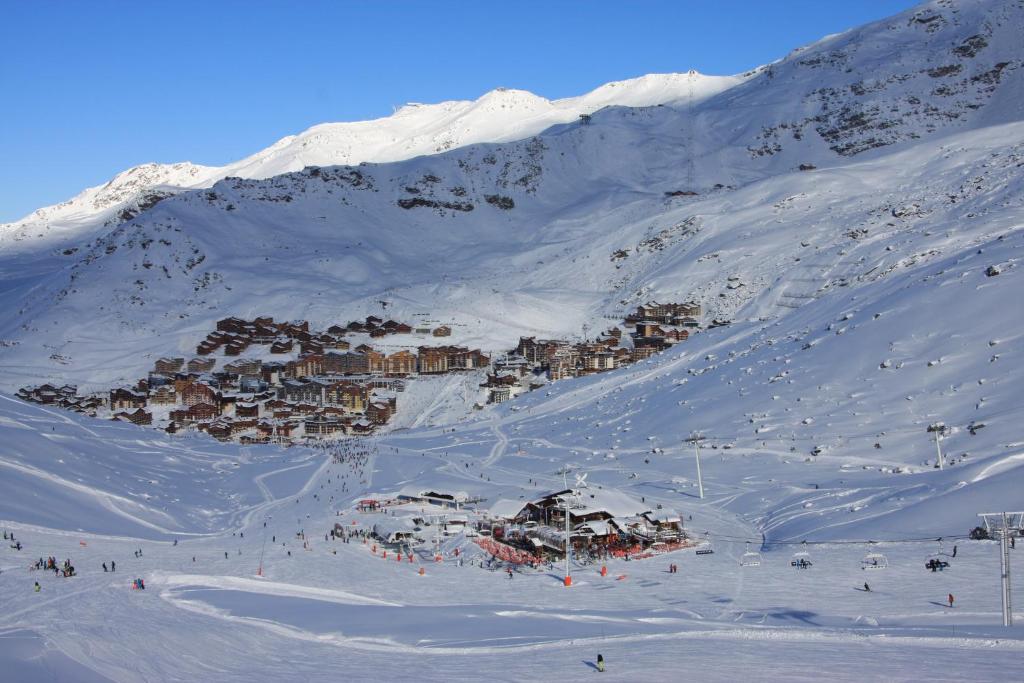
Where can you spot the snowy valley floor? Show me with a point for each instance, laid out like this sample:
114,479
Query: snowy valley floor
340,611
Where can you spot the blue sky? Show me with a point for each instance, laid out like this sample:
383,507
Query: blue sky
92,88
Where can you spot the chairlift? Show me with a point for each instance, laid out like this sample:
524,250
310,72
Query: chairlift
874,560
937,561
708,548
750,558
802,559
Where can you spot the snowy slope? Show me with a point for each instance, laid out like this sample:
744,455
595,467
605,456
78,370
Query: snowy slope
413,130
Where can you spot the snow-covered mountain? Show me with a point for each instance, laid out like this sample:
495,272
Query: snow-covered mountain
855,209
414,129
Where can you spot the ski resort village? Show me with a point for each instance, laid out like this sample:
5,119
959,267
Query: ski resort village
331,388
709,377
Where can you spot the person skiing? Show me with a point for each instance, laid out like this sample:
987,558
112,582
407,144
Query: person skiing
600,663
867,588
38,587
104,567
954,551
113,566
950,598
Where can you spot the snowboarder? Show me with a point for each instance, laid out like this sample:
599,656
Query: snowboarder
867,588
950,598
600,663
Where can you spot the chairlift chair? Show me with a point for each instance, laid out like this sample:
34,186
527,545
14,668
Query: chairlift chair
708,548
750,558
874,560
801,560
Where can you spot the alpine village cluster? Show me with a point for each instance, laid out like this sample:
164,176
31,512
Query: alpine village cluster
330,389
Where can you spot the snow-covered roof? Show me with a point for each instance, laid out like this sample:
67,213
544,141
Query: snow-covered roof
506,508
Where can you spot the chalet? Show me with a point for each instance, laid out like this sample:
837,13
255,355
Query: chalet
512,364
449,499
48,394
311,346
561,369
648,328
499,394
373,320
361,427
197,392
600,361
232,324
394,530
351,363
337,330
138,417
668,314
246,366
247,410
663,525
355,326
640,353
375,362
400,364
378,332
403,329
442,331
126,399
308,366
390,326
163,395
432,360
347,395
236,346
305,390
321,425
195,413
220,430
503,379
281,345
199,365
379,412
251,384
168,366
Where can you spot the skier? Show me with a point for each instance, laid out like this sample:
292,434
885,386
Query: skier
867,588
600,663
113,566
38,587
950,598
104,567
954,551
